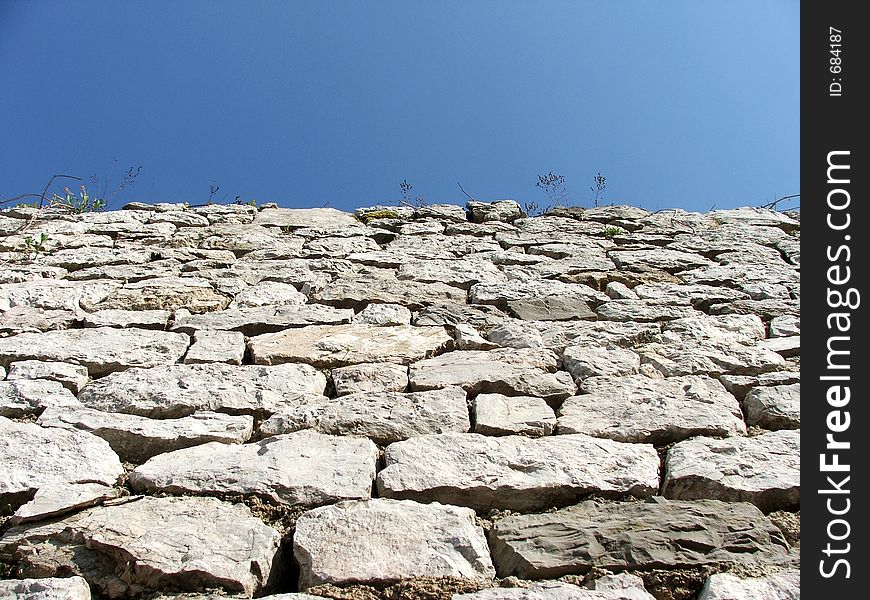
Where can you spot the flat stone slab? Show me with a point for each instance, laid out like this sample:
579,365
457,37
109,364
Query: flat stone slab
640,311
49,502
55,294
169,392
657,259
21,397
774,407
384,417
515,472
382,541
268,293
294,218
101,350
550,308
659,411
500,294
112,317
49,588
596,361
784,346
497,414
619,536
370,377
24,319
216,346
763,470
557,590
785,585
136,439
257,320
358,290
383,314
338,345
305,468
513,372
35,458
163,293
187,544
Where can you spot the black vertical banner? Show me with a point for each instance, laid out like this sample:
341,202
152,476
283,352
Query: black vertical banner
835,426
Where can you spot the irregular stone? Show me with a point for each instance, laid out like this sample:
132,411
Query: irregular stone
500,210
785,326
49,502
556,590
740,385
226,213
384,259
513,372
150,544
359,290
70,376
338,345
462,273
169,392
129,273
370,377
268,293
466,337
257,320
422,227
785,585
340,247
763,470
22,397
658,411
295,218
179,219
214,346
136,439
384,417
382,541
514,334
594,361
515,472
35,458
25,272
144,319
383,314
643,310
784,346
301,469
620,291
49,588
658,259
701,296
480,317
657,534
767,309
380,211
163,293
496,414
774,407
52,294
550,308
101,350
755,216
500,294
443,212
79,258
246,239
24,319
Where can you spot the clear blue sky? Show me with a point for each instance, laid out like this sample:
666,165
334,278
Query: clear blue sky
679,104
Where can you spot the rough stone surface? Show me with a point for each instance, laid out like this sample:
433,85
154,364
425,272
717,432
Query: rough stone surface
101,350
49,588
452,337
303,468
382,541
515,472
338,345
370,377
21,397
384,417
150,544
35,458
659,411
785,585
523,372
214,346
557,590
774,407
764,470
661,534
180,390
497,414
136,439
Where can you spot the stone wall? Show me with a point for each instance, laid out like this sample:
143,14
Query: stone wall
402,403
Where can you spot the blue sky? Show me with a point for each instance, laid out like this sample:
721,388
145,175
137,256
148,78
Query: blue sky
678,104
